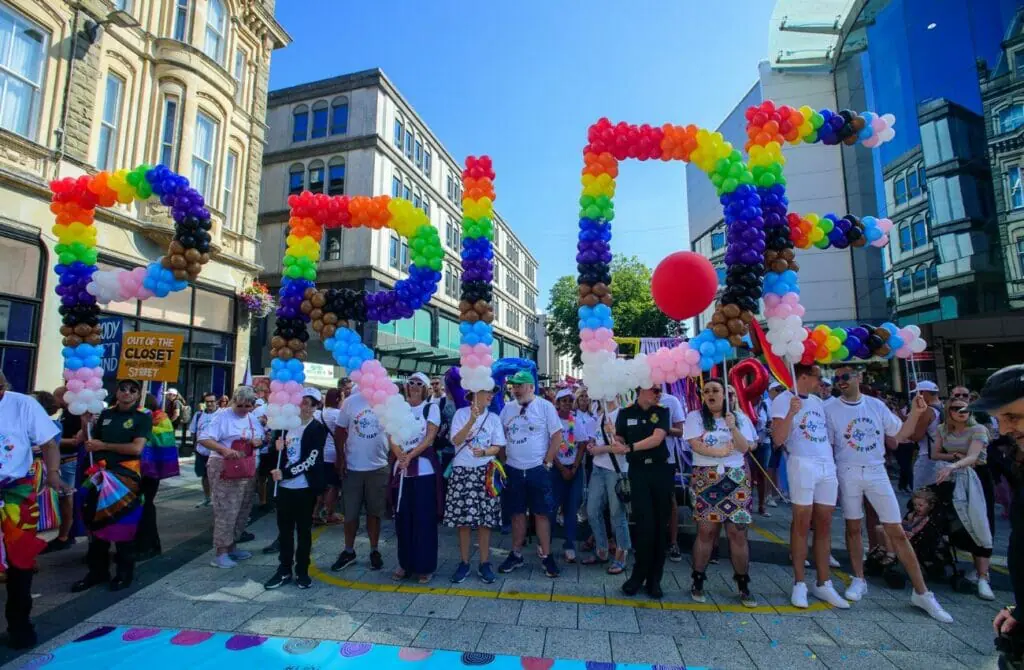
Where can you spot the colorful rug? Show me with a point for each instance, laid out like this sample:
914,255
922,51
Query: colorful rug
112,648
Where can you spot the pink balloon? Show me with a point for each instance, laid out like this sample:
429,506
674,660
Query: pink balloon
889,119
885,225
94,384
692,356
76,385
872,142
799,310
904,351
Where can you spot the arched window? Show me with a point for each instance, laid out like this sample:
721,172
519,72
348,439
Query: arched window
906,287
332,245
1011,118
336,176
319,119
316,176
300,123
933,275
920,278
906,243
919,232
339,116
296,178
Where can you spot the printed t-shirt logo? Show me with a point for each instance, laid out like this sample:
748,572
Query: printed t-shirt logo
654,418
128,424
366,424
861,434
812,427
6,443
519,429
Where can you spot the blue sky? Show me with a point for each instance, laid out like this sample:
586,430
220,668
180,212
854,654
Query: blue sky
522,81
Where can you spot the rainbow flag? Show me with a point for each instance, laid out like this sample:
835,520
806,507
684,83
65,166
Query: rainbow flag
160,455
779,368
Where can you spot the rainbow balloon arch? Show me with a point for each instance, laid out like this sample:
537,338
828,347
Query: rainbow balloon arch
761,237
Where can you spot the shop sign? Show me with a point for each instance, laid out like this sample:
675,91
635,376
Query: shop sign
150,357
111,329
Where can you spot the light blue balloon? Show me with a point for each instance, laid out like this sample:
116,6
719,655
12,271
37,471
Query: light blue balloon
284,375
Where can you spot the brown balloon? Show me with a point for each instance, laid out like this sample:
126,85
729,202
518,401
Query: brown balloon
192,255
883,350
165,262
731,311
787,254
720,330
882,333
487,318
770,255
480,306
585,289
309,293
607,300
178,262
175,247
276,341
859,242
301,355
284,353
318,325
851,140
204,259
718,317
180,275
747,316
318,300
305,307
470,317
316,314
273,352
858,123
66,330
83,329
601,288
72,341
793,266
330,318
736,326
94,339
737,340
194,268
328,331
589,300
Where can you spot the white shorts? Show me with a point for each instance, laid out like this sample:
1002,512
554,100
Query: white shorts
812,481
871,481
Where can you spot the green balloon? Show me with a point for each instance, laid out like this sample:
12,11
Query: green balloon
591,212
766,180
736,170
309,274
66,258
722,165
90,256
842,353
586,201
822,243
729,185
747,178
717,179
603,201
609,214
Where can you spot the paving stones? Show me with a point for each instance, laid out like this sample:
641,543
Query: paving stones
454,635
393,629
512,640
719,654
491,611
281,621
646,649
588,645
437,606
552,615
331,625
608,617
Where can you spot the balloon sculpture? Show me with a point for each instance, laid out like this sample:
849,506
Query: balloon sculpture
82,287
501,370
761,236
331,311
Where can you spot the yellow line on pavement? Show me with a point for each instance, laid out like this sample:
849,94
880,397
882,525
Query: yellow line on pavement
316,573
775,539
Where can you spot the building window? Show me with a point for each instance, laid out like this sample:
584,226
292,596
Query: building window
316,176
216,27
920,279
106,153
22,55
1018,61
394,249
531,301
496,305
417,202
906,242
419,154
452,234
336,176
230,168
405,256
1011,117
339,116
181,20
497,236
169,136
919,233
296,179
427,162
319,120
399,134
921,179
300,123
202,155
19,319
900,191
449,187
913,184
531,271
407,193
408,143
451,282
332,244
933,274
239,75
396,187
905,283
426,206
1016,189
1020,256
717,241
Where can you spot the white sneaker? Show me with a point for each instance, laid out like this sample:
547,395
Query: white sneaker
223,561
827,592
857,590
972,576
799,595
771,502
832,562
929,604
240,555
985,590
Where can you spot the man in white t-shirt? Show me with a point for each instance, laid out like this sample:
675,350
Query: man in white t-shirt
363,467
533,433
200,420
798,423
675,444
857,426
24,424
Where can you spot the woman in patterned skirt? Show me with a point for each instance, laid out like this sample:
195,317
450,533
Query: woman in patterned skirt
720,483
478,437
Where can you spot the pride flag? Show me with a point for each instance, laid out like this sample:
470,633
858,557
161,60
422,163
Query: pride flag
779,368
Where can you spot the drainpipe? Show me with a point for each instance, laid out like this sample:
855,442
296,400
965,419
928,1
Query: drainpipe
61,132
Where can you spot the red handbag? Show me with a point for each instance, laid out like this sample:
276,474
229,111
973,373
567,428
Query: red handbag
241,468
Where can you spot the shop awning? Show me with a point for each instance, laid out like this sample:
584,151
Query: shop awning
809,34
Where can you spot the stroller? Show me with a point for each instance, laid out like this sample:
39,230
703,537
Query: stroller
934,545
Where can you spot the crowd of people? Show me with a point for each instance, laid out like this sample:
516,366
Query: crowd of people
537,464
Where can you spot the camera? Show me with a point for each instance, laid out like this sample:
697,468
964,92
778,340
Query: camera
1011,649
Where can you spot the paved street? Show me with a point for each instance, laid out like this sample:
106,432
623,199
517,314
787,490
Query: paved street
581,615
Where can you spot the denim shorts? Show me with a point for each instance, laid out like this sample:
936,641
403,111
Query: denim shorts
68,470
200,465
528,490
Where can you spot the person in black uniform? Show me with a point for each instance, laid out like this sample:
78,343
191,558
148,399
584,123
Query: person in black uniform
640,432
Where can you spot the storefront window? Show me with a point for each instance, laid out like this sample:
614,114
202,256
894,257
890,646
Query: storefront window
214,311
19,271
210,346
19,308
176,307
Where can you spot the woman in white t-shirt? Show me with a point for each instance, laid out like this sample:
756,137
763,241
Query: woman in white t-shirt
414,487
601,494
229,436
720,482
328,416
478,437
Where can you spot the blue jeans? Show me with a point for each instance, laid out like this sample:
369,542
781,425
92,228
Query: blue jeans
568,494
601,494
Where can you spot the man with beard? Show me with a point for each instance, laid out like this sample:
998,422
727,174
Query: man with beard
1003,398
857,426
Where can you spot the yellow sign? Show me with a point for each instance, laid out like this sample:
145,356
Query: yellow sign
150,357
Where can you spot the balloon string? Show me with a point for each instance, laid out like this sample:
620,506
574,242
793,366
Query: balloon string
764,474
725,383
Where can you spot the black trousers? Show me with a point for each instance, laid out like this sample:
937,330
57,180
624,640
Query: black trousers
652,489
147,538
98,558
905,459
295,519
19,601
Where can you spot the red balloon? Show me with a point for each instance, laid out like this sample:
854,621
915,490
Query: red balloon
683,285
750,379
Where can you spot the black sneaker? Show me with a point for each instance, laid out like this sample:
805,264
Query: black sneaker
631,587
246,536
22,640
279,579
345,559
272,548
675,554
303,581
654,591
376,562
57,544
120,582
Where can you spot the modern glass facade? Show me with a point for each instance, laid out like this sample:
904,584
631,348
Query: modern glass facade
927,62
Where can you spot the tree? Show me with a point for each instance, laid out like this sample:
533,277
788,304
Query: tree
634,310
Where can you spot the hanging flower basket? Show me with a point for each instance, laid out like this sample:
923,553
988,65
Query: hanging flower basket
257,300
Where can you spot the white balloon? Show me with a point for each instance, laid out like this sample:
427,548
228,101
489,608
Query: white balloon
918,345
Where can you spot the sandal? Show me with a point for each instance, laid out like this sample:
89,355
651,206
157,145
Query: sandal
616,568
425,579
398,575
570,556
595,560
743,585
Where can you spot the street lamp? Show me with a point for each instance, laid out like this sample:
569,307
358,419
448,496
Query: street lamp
118,17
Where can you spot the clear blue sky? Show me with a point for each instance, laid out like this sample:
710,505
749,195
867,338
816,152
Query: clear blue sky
522,81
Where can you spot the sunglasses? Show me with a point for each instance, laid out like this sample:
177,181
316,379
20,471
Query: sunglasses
414,382
846,376
127,388
961,395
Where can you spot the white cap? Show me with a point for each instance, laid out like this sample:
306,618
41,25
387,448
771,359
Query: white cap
927,386
172,390
420,377
312,393
774,385
563,394
260,402
826,380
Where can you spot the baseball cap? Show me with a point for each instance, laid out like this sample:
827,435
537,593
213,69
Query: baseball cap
774,385
522,377
313,393
420,377
172,390
1002,388
564,393
926,386
827,381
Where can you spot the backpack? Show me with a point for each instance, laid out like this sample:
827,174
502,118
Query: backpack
441,441
184,413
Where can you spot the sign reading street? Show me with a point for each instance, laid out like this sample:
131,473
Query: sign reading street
153,357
